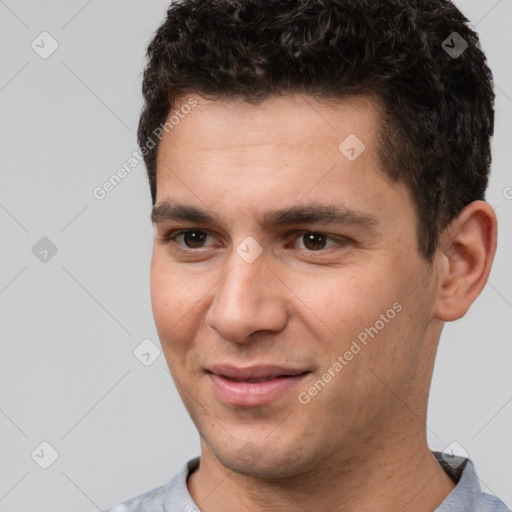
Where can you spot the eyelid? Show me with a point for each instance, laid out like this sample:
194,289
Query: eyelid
339,239
297,234
172,234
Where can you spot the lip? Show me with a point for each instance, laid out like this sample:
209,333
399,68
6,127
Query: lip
233,385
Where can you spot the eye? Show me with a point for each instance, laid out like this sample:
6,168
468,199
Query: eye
313,241
192,238
309,241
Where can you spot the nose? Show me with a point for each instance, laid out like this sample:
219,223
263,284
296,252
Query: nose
249,298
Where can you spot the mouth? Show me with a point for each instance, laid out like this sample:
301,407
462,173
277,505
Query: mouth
262,379
253,386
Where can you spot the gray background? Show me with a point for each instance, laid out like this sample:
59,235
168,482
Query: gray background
68,326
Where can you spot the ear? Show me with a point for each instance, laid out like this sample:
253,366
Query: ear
465,255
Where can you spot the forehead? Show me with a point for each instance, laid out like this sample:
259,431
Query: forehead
296,120
231,155
285,136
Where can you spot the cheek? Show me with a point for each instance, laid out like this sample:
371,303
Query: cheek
347,300
179,300
369,312
173,300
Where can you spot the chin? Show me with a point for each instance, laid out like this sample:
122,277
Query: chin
268,462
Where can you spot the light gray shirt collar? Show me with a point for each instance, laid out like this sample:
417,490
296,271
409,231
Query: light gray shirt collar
467,496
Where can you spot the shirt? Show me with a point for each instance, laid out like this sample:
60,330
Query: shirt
467,496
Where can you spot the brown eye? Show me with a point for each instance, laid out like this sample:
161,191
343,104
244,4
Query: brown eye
314,241
194,239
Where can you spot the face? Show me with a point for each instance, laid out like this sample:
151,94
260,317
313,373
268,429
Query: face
290,298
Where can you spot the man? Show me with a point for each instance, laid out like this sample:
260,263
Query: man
318,183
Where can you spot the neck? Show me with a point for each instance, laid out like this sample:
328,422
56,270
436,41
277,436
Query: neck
397,475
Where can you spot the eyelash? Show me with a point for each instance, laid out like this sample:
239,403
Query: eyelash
170,238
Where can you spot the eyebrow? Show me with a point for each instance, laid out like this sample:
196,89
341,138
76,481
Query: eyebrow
311,213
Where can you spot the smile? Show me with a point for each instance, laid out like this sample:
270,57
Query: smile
255,386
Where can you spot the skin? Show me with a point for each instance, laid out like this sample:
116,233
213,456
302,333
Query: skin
360,443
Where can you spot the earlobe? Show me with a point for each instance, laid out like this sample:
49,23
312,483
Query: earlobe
467,248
